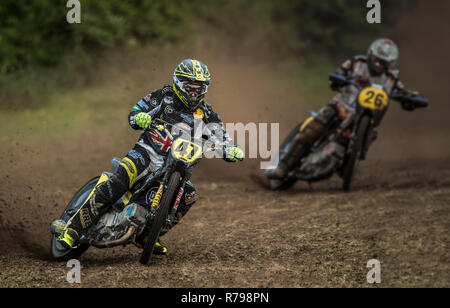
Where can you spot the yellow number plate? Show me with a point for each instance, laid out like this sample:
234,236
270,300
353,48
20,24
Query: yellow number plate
186,150
373,98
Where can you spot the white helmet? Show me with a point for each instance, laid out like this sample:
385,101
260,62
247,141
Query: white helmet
382,55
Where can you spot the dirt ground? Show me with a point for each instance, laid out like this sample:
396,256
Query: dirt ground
239,234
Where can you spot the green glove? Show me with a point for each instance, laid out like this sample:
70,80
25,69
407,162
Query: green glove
143,119
235,154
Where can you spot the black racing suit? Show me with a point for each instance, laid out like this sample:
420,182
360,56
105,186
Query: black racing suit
147,156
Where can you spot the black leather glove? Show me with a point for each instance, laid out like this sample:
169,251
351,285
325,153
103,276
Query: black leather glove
337,81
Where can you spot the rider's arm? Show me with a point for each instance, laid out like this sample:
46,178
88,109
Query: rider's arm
227,144
149,104
403,95
346,70
212,117
399,88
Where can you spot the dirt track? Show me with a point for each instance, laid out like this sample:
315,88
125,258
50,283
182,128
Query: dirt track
240,234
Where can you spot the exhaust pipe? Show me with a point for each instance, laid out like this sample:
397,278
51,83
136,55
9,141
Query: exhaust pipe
121,241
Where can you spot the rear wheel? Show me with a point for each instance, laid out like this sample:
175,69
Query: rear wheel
73,206
163,211
353,159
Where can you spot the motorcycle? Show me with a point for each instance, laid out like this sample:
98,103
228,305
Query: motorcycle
142,213
331,154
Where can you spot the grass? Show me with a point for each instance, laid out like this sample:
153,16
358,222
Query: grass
64,113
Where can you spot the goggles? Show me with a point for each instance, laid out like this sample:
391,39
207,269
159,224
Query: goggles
194,89
379,63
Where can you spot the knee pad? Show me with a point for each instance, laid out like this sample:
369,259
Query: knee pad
310,132
129,167
313,127
115,187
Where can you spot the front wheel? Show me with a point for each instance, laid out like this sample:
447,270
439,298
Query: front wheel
163,211
351,164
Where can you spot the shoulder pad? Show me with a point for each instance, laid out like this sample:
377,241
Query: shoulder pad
166,90
147,98
155,92
155,98
153,95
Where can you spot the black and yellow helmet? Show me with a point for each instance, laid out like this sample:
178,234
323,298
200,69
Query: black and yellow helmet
191,80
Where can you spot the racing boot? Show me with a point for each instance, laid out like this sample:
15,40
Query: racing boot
67,239
159,248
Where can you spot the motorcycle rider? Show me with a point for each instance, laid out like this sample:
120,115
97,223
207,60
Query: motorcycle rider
377,67
182,102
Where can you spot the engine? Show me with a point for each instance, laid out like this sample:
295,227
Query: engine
113,225
321,164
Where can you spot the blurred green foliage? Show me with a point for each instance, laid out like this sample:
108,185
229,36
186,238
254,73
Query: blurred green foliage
303,27
335,27
36,33
40,52
30,33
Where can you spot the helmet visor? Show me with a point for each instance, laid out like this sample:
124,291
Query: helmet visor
194,90
379,64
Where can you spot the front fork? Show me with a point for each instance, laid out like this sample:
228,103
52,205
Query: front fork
371,136
155,204
171,217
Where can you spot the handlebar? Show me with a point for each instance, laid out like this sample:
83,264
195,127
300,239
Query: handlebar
340,80
417,101
160,125
404,97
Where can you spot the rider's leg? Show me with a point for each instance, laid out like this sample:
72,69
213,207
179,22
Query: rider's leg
310,131
104,195
133,167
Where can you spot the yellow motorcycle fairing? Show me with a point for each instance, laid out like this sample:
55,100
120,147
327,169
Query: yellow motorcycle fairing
373,98
186,150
